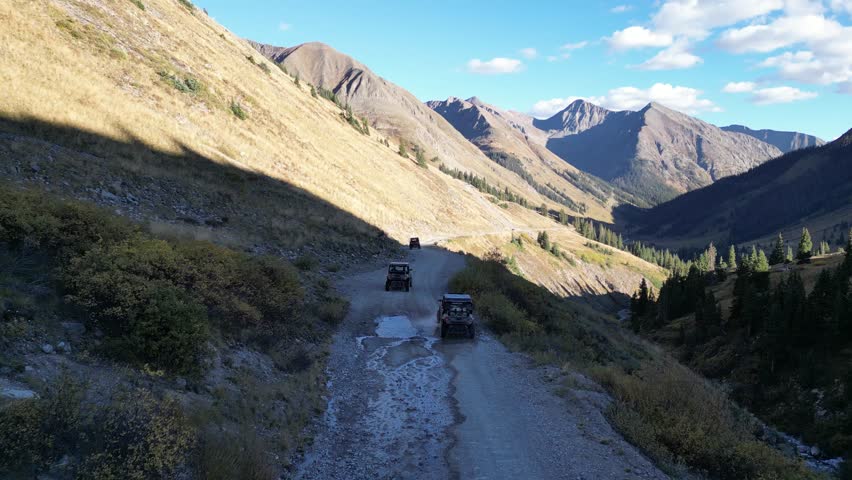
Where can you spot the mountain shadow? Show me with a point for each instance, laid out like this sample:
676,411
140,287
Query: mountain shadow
185,192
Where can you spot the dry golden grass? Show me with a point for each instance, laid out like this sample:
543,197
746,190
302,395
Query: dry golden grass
94,66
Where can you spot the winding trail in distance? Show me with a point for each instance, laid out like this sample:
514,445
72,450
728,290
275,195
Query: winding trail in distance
405,404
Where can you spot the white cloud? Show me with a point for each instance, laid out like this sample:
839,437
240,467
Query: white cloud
767,96
638,37
548,108
806,67
528,53
552,58
684,99
738,87
284,26
621,8
697,18
675,57
494,66
841,6
827,54
574,46
782,32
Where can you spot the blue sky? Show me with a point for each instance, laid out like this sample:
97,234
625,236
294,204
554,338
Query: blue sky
788,61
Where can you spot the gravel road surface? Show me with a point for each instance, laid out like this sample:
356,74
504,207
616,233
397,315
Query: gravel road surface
405,404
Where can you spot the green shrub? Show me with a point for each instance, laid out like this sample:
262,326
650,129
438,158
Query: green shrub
139,4
146,318
333,310
226,457
238,111
152,298
137,436
306,263
34,432
187,4
502,315
240,290
185,85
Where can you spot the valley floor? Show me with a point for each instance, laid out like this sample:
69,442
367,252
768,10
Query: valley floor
404,403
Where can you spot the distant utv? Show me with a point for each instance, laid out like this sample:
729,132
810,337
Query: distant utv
399,276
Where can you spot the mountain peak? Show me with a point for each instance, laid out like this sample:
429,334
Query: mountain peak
844,140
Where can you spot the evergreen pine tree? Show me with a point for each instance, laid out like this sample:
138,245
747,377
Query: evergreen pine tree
711,257
403,152
761,264
789,258
805,250
732,257
639,306
777,255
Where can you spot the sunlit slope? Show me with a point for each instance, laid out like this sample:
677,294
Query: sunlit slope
396,112
169,79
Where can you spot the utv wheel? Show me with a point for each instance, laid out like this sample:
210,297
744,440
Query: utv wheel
387,287
407,287
471,331
443,330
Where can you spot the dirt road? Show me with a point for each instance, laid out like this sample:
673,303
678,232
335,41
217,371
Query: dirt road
406,404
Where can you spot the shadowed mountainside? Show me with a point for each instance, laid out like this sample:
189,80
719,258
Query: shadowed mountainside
810,187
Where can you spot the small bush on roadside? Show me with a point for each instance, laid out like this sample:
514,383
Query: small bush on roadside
225,457
306,263
187,4
333,310
139,4
503,316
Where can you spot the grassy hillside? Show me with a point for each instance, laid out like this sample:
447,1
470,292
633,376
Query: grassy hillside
178,121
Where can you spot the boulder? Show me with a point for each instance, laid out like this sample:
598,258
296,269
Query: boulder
47,348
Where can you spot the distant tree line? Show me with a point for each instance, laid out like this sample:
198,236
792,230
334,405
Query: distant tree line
513,164
482,185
